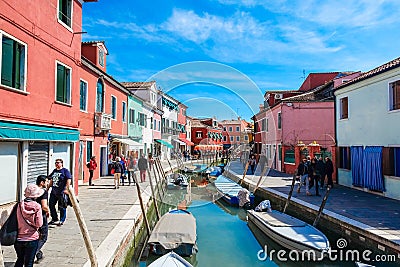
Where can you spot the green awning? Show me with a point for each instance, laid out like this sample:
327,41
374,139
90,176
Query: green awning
165,143
23,131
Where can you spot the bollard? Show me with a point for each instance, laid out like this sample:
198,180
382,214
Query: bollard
261,175
146,222
244,173
83,227
321,208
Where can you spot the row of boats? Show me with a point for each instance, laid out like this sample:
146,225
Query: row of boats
175,234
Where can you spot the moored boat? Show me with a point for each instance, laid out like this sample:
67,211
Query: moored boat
230,190
170,259
177,181
175,231
291,233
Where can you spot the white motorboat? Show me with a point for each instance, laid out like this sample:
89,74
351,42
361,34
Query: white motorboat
170,260
290,232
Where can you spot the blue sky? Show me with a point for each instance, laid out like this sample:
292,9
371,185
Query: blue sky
219,56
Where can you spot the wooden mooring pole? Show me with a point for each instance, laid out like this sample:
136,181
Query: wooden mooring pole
244,173
146,222
321,208
290,193
153,195
261,176
157,183
83,227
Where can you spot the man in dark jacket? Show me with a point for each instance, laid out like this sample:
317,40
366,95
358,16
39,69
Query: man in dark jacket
142,166
329,170
320,171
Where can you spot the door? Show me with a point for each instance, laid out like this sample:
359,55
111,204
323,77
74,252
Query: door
38,161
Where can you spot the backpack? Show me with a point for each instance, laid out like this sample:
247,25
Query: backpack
88,164
9,230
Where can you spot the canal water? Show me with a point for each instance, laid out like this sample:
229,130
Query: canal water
224,237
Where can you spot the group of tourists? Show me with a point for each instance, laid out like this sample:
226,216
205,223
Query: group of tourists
313,172
123,168
32,213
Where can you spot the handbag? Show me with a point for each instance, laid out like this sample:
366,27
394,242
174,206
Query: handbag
9,230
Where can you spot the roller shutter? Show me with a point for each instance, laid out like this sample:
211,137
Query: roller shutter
38,161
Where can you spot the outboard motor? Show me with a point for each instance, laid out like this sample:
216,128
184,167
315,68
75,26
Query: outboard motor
265,205
244,198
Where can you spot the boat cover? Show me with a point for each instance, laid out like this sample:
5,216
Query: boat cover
174,229
170,260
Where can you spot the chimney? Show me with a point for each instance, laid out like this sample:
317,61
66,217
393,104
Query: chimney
261,107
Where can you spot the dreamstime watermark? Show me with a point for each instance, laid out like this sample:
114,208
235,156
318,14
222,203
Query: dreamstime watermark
340,254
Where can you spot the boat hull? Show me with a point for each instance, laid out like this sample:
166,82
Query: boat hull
229,189
291,233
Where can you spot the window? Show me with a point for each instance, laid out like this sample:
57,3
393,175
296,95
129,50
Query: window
113,107
394,94
13,61
101,57
230,128
89,150
63,83
344,108
83,96
65,12
224,129
199,134
231,138
391,161
289,156
280,152
142,119
124,111
246,138
100,96
225,138
132,116
237,138
263,124
279,120
237,129
344,158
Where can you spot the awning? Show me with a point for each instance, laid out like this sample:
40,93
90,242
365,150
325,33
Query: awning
132,144
179,142
23,131
187,141
165,143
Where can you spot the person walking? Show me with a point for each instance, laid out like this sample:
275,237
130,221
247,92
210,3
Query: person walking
329,171
142,165
92,168
313,176
302,171
320,172
30,219
118,168
42,182
252,163
131,169
60,179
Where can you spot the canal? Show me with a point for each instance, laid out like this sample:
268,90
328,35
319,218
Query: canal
224,236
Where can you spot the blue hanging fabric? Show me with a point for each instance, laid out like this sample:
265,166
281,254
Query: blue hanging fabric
357,158
373,168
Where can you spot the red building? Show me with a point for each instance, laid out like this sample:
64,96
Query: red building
206,134
39,90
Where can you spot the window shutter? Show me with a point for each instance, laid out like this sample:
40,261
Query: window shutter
7,61
60,83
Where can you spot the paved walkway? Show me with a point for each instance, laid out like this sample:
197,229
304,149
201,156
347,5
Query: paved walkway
108,214
375,212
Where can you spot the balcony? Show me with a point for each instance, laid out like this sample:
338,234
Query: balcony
102,122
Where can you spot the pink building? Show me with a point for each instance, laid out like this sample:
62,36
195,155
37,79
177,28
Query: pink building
234,132
299,125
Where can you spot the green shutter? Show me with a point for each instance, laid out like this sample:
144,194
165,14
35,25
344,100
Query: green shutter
60,83
7,61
